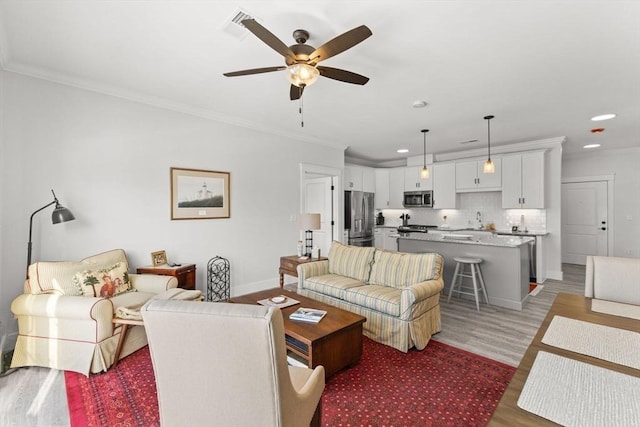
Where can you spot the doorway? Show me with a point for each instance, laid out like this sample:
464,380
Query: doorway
319,190
586,229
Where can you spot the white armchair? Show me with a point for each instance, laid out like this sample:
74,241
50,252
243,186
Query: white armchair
225,364
60,327
613,279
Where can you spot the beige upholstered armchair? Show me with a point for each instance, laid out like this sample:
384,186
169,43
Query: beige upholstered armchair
226,364
613,279
65,316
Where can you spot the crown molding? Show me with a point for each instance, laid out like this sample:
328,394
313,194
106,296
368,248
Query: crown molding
164,104
548,143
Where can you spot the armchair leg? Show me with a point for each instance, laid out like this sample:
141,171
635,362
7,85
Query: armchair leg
315,421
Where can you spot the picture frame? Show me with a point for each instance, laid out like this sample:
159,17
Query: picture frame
200,194
158,258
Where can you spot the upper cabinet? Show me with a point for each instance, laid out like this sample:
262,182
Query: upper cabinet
413,181
382,188
471,177
396,188
359,178
523,183
444,186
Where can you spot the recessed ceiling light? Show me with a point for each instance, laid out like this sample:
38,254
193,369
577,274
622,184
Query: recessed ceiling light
403,150
419,104
603,117
591,146
597,130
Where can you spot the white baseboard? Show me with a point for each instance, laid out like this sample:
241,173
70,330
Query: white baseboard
555,275
248,288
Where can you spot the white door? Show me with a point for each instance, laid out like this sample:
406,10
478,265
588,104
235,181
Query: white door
585,223
319,200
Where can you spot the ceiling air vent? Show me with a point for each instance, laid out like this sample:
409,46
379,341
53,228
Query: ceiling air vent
234,25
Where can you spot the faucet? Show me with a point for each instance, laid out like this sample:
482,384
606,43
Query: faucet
479,218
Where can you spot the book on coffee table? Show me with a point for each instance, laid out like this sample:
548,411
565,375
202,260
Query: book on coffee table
310,315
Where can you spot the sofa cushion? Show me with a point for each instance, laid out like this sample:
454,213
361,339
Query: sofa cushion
331,284
350,261
400,269
105,282
376,297
131,299
57,276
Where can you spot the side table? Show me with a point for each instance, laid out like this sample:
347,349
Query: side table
185,273
288,265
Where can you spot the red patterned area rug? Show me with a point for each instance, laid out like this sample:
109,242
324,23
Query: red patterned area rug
122,396
439,386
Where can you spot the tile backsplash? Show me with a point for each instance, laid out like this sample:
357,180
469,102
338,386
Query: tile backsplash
489,204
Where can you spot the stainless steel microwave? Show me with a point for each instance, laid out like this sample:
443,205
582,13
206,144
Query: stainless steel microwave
418,199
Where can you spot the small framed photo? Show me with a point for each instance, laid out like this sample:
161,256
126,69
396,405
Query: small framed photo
199,194
158,258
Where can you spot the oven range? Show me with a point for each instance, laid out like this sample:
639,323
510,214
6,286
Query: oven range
415,228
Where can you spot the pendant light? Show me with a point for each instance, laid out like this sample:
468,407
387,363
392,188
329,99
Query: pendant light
424,173
489,167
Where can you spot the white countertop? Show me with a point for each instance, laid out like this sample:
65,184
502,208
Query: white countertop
490,240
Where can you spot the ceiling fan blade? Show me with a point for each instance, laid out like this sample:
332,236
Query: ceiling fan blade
342,75
340,43
268,38
295,92
254,71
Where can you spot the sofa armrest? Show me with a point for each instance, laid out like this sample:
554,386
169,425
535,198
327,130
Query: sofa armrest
311,269
418,292
152,283
63,307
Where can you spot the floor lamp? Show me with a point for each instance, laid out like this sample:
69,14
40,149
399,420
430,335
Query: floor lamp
309,222
60,214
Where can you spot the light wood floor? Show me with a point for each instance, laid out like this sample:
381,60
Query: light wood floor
37,397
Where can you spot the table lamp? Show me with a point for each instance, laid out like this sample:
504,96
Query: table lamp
60,214
309,222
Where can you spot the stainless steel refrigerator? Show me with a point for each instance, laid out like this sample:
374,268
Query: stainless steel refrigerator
358,217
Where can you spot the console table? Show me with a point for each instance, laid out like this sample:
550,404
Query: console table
289,265
185,273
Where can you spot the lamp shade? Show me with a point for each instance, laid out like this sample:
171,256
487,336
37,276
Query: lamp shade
309,221
61,214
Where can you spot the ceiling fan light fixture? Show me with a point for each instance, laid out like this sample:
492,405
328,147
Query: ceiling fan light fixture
302,75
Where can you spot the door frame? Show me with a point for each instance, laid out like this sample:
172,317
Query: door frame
610,198
308,170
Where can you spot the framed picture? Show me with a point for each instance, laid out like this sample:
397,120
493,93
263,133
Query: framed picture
199,194
158,258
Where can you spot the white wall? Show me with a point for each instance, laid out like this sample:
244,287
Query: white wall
625,165
108,160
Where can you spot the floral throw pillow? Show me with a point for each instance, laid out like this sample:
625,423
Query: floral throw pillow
106,282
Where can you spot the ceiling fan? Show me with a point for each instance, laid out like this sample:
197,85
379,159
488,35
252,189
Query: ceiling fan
302,59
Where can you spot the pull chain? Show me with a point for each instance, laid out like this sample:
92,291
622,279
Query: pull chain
301,110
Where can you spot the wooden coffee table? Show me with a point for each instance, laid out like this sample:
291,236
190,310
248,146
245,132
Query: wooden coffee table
335,342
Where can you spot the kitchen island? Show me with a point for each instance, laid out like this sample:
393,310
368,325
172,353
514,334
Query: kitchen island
505,267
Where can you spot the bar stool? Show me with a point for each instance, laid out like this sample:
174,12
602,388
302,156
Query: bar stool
475,275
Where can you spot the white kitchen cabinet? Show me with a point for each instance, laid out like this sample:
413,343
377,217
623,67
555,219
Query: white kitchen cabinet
444,186
396,188
352,178
413,181
368,180
523,183
382,188
378,237
359,178
470,176
390,239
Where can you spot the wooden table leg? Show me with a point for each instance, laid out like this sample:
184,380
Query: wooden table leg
123,335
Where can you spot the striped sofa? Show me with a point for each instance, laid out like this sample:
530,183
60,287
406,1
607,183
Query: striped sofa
397,292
